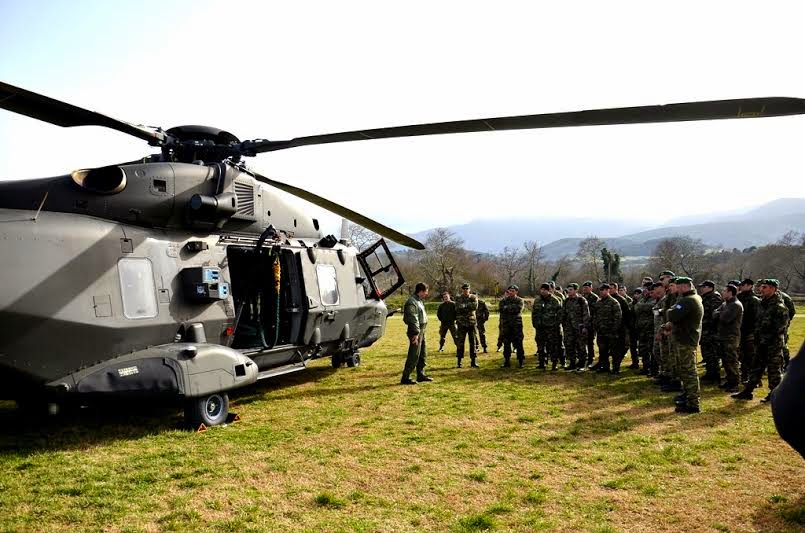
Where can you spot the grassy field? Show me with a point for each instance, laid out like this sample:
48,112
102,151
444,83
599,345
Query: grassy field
350,449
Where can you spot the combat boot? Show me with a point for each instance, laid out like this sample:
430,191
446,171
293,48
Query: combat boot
520,363
473,364
458,363
422,377
730,387
506,363
484,347
710,379
571,366
745,394
407,381
553,366
688,409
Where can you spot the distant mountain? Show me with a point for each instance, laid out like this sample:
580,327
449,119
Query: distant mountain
753,227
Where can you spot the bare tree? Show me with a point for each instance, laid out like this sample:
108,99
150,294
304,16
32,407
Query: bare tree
533,259
509,263
443,256
682,254
589,254
359,236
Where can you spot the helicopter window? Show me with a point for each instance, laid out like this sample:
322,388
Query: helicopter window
137,287
328,285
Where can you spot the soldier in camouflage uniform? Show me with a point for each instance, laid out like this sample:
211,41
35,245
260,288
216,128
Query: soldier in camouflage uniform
546,317
770,325
711,300
685,326
637,296
511,326
750,303
415,317
466,305
659,366
644,329
608,321
557,293
481,315
728,318
589,295
622,344
575,324
675,383
792,311
446,313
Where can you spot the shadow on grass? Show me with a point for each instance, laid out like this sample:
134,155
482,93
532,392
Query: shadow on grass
780,514
108,420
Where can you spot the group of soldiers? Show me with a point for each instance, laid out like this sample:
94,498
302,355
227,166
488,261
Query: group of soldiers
662,323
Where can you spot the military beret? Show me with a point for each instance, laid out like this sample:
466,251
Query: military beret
513,288
747,281
682,279
465,286
734,282
770,281
587,284
667,273
603,286
731,289
544,286
573,286
707,283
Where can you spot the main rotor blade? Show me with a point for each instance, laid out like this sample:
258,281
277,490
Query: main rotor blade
67,115
710,110
349,214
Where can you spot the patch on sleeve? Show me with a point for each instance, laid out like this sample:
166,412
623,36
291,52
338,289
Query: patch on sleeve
678,306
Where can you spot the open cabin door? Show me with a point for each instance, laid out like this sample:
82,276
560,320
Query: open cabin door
383,274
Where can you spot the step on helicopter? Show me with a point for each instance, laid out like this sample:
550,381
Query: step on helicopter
184,275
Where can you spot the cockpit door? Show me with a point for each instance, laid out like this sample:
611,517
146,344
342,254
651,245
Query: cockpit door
383,274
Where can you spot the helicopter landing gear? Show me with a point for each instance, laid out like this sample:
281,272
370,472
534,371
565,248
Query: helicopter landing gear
210,410
351,359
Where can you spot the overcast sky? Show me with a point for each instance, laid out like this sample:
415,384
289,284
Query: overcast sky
279,70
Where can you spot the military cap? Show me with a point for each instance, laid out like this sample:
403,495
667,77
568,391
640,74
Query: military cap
587,284
573,286
770,281
648,278
682,279
603,286
545,286
667,273
513,288
637,291
734,282
707,283
747,281
465,286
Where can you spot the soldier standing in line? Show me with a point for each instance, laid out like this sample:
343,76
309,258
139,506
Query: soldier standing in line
728,317
644,329
750,304
589,295
608,318
466,305
771,322
658,356
623,333
576,325
675,382
556,291
792,311
546,317
511,326
685,325
637,296
416,319
711,300
481,315
446,313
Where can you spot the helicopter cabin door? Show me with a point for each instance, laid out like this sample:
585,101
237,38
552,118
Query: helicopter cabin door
383,276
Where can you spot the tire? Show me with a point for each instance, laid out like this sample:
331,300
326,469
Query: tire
210,410
337,360
354,360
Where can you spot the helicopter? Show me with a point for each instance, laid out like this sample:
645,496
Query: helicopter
184,275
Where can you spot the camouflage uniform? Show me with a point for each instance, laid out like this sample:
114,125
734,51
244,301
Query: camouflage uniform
546,317
591,298
770,325
466,305
608,319
644,329
686,317
576,325
659,351
792,311
709,343
446,313
511,328
622,344
750,303
481,315
670,350
632,330
728,318
415,317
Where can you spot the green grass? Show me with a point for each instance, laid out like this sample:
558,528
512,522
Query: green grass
350,449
